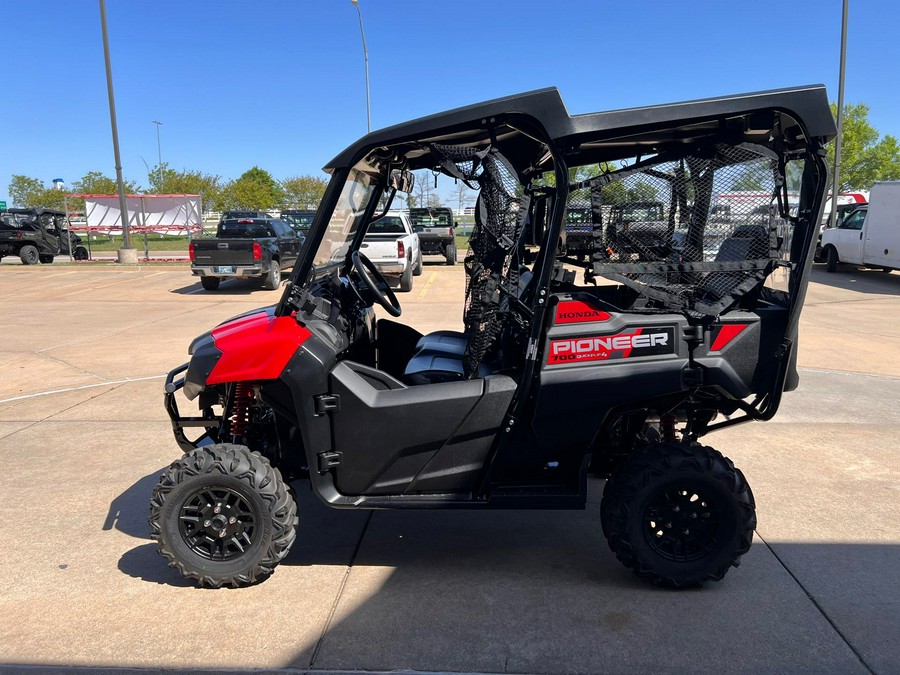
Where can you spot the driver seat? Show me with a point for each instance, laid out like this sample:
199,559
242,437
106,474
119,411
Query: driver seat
438,356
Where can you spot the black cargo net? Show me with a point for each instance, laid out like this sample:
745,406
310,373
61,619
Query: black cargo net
692,234
491,274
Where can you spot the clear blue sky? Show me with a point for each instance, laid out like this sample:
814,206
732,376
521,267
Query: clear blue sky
281,84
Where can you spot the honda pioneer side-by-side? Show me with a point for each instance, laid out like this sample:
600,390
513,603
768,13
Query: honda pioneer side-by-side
614,362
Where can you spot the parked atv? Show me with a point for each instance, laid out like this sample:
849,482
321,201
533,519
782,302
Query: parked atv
617,363
37,235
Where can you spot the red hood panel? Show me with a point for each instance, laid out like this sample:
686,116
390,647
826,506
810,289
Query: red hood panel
255,347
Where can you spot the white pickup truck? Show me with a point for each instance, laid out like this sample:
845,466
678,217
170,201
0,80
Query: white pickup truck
393,247
870,235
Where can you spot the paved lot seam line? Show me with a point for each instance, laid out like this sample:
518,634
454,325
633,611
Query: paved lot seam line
815,603
855,373
337,597
84,386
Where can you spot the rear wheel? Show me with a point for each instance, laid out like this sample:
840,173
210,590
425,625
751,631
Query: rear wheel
210,283
679,514
29,255
273,278
223,515
831,260
45,258
450,253
406,280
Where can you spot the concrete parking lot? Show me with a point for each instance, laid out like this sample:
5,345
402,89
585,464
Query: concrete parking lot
83,438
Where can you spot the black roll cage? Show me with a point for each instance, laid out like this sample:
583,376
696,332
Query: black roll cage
558,148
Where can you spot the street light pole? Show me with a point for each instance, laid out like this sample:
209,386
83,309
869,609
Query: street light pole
366,57
840,118
159,151
126,250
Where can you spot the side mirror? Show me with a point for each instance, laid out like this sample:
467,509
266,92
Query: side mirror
402,180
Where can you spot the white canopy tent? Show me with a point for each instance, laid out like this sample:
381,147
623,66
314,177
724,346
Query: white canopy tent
160,214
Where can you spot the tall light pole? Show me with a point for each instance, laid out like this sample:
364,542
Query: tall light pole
366,57
840,118
159,151
126,250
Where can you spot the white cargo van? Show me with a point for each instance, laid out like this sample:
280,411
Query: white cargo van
870,235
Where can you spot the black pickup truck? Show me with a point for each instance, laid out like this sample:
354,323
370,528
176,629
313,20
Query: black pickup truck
37,235
245,248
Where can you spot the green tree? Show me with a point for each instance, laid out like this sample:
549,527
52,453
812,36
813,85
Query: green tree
641,191
303,192
172,182
864,158
255,189
95,183
30,192
748,181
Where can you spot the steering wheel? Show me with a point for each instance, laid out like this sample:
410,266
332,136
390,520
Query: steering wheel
375,282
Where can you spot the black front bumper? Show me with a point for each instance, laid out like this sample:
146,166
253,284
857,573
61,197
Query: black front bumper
210,424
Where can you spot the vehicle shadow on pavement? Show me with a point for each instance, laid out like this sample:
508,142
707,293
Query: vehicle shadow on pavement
228,288
128,512
567,543
533,609
853,279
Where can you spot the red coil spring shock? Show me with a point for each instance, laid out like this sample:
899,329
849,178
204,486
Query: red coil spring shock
667,428
240,411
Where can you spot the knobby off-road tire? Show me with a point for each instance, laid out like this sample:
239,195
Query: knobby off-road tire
273,278
450,253
678,514
831,259
29,255
255,512
210,283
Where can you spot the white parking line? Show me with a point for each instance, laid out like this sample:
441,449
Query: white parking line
84,386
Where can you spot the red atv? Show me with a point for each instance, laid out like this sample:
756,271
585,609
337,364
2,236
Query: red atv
614,360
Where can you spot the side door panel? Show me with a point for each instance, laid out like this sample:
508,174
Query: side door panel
431,438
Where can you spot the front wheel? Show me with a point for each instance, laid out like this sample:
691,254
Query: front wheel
678,514
81,253
831,260
29,255
273,278
222,515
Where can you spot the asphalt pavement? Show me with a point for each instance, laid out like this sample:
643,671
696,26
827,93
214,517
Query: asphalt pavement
83,438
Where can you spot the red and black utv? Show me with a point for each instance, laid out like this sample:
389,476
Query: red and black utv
614,361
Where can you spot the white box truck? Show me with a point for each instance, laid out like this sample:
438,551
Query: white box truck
870,235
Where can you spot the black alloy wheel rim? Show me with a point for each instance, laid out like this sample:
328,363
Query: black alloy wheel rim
682,523
218,523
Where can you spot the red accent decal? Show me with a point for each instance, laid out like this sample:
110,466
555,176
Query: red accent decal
727,334
576,311
255,347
